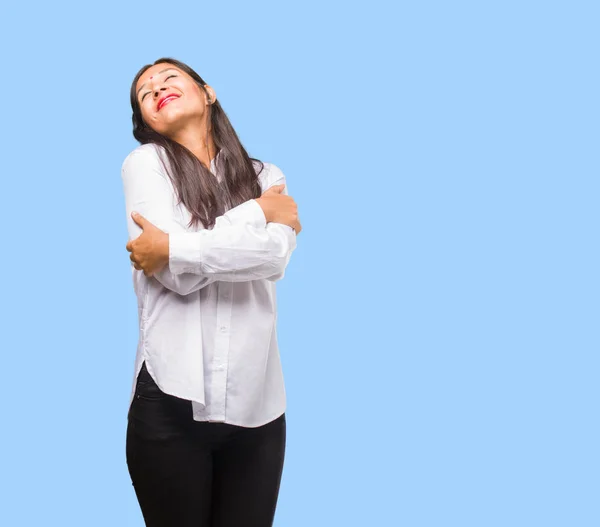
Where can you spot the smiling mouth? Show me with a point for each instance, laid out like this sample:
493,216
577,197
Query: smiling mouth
167,100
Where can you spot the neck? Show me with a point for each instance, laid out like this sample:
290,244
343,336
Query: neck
194,138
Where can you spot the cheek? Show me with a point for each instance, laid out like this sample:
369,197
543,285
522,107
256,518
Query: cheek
152,117
147,112
194,103
194,95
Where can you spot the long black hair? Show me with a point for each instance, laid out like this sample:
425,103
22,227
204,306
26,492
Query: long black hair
197,188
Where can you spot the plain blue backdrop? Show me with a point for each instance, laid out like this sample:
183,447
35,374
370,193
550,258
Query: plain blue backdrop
438,322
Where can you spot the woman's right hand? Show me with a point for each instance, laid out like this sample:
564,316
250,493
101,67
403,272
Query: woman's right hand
280,208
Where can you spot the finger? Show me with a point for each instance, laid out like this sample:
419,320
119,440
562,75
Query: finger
129,246
275,188
139,219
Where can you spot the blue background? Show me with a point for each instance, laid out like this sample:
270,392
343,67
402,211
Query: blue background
438,322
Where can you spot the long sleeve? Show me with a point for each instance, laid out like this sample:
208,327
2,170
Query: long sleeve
240,247
250,244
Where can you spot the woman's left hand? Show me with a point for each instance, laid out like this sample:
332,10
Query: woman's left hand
150,250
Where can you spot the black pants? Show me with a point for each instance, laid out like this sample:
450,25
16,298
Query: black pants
190,473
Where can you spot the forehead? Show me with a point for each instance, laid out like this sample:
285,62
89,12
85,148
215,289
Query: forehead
153,71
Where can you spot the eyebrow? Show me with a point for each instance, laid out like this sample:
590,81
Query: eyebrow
161,71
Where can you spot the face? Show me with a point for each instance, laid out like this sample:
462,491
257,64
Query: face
169,98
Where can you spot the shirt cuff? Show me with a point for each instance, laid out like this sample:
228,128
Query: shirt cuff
248,212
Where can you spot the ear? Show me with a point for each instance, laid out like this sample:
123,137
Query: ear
211,93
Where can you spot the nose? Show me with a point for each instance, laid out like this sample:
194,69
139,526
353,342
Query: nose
156,86
158,90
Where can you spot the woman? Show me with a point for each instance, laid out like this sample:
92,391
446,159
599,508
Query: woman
215,230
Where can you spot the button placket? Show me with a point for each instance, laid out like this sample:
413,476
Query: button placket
221,356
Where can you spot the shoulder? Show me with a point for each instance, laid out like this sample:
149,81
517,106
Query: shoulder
271,175
147,155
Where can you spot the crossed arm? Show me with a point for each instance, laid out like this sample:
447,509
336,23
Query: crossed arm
241,247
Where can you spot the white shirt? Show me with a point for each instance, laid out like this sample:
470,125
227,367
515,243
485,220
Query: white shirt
207,321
